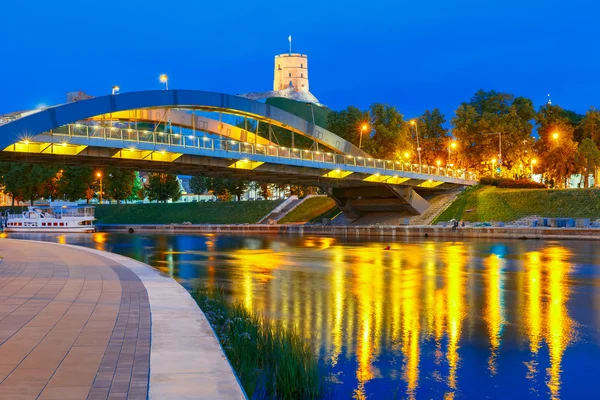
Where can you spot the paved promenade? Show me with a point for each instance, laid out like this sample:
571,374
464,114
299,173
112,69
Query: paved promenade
81,324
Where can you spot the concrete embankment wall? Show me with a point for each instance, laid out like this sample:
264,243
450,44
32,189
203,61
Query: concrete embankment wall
367,231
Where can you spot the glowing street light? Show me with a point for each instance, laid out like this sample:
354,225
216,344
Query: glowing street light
115,89
555,135
533,162
451,145
99,175
414,122
406,155
363,129
163,78
493,167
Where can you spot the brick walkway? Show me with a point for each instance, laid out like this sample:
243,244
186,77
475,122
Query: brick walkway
73,325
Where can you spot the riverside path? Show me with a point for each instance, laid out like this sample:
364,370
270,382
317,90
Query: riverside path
82,324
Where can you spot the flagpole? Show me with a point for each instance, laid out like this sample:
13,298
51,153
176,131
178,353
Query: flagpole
290,39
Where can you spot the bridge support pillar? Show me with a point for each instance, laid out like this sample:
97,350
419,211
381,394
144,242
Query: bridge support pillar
388,201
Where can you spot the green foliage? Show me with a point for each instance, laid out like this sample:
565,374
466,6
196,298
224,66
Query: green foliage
434,137
270,360
242,212
138,191
347,124
303,110
487,203
489,112
162,187
511,183
309,209
588,157
28,182
200,184
118,183
227,187
391,134
589,127
75,182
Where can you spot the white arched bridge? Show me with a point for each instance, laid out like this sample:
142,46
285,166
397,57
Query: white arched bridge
183,131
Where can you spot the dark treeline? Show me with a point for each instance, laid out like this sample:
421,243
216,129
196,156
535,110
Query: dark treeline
567,142
27,182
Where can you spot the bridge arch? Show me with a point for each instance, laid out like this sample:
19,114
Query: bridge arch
64,114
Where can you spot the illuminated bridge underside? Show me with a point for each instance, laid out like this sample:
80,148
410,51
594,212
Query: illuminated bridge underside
185,120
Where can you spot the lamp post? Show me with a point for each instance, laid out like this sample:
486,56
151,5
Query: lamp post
413,122
363,128
115,89
493,167
533,162
438,166
499,145
451,145
99,175
163,78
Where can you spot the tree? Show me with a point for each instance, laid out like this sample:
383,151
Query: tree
589,127
200,184
478,123
391,136
163,187
227,187
137,192
588,157
75,182
555,144
434,139
264,190
119,183
347,123
25,181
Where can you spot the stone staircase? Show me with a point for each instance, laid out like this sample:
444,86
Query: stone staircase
438,203
281,210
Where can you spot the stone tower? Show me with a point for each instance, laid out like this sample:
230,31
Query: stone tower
291,69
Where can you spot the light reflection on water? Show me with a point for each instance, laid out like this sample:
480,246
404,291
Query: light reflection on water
427,319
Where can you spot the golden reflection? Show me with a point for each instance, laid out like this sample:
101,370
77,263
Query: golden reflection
99,240
455,307
559,325
372,303
494,312
338,293
62,239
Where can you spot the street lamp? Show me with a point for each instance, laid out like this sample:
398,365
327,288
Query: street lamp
555,135
499,144
99,175
493,167
438,162
115,89
163,78
533,162
413,122
363,128
451,145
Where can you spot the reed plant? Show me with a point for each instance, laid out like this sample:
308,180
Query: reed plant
270,361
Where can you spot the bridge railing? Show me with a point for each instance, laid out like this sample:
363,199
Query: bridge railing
168,140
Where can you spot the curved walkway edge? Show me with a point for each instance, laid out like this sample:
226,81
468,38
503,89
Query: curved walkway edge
186,360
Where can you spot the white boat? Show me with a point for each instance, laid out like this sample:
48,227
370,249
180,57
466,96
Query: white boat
57,217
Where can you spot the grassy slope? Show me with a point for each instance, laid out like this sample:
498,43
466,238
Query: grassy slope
196,213
309,209
489,203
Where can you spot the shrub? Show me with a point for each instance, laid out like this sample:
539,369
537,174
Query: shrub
271,361
490,181
520,184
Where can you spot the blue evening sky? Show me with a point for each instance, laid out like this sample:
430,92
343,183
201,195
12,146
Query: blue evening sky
412,54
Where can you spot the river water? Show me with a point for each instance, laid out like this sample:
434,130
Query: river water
426,319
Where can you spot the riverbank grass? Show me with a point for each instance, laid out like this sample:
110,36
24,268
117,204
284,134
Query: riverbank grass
488,203
309,209
269,360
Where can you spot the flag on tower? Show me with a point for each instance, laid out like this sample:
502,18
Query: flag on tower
290,39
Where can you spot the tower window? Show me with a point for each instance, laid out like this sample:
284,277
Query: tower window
301,65
279,67
290,74
301,75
